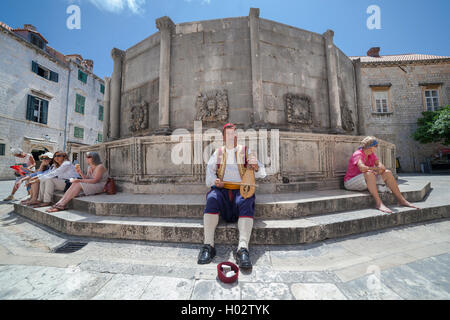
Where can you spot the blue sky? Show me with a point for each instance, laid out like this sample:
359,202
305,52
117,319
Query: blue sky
407,26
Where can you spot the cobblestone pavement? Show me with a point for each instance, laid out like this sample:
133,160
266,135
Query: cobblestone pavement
409,262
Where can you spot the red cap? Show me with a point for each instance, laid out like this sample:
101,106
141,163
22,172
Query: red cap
222,275
228,125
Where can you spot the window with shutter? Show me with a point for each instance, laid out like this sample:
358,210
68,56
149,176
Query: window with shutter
82,76
100,113
44,72
100,137
79,104
2,149
78,132
102,88
37,109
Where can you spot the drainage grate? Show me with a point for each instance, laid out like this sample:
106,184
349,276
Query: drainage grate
70,247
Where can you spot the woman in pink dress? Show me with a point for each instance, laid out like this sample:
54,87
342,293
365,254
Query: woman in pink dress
365,171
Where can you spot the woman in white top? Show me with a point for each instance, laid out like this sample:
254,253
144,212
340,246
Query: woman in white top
91,183
54,180
24,159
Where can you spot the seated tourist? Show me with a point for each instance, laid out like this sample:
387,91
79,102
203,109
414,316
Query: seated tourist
55,179
365,171
27,161
91,183
33,189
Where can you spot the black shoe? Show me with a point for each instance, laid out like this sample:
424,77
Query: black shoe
243,258
207,253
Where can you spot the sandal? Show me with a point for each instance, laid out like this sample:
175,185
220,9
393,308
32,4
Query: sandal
55,209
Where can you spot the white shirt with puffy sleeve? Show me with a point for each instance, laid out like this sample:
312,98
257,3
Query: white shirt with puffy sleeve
231,170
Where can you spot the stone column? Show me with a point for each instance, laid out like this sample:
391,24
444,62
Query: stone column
359,97
165,26
333,85
106,106
115,93
257,89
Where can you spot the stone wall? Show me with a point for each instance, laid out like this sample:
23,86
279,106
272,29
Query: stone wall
302,162
407,104
247,70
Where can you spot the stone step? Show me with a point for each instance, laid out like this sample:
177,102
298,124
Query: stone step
268,206
265,232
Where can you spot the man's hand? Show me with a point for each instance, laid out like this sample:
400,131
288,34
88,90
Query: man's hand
219,183
253,163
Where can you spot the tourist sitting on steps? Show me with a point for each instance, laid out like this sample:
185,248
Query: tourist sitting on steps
46,167
29,164
365,171
55,179
91,183
229,163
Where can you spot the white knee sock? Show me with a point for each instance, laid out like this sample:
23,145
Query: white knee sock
210,222
245,226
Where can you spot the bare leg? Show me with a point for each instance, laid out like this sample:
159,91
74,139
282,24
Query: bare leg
34,194
15,188
71,193
388,177
372,186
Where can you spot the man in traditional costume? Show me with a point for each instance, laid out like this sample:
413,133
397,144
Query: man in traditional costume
224,172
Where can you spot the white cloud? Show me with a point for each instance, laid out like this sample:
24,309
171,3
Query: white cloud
202,1
117,6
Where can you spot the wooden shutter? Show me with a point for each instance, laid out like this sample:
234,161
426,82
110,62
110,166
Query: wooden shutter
44,111
53,76
79,104
82,76
30,108
100,113
83,100
34,67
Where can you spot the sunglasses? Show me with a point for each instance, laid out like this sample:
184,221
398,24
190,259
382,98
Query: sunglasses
88,157
45,158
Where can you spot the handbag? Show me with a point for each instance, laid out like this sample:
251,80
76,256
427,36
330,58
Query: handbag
110,186
68,184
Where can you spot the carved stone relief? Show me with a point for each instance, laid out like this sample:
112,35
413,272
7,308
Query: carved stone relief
212,106
298,108
347,119
346,114
139,116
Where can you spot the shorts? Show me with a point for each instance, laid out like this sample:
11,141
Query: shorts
358,183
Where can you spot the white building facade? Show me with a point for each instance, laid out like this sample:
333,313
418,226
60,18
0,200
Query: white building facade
48,101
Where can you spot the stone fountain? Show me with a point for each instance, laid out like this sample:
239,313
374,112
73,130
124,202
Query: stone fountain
290,88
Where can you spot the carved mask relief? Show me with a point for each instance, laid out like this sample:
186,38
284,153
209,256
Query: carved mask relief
298,108
212,106
139,116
